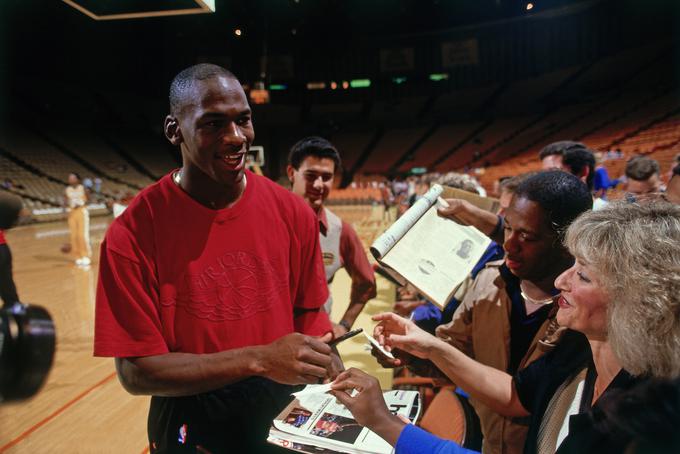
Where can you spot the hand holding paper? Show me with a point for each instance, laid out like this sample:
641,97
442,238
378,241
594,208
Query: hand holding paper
367,404
394,331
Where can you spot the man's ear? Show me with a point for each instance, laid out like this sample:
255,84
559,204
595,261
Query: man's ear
585,173
290,171
172,131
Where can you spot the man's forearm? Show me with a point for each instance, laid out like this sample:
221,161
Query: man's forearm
351,314
182,374
490,386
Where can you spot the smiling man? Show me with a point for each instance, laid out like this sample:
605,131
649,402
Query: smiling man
312,164
211,286
506,319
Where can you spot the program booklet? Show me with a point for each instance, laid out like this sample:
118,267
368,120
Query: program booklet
315,422
433,254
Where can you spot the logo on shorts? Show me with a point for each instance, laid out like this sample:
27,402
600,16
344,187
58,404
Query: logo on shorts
182,434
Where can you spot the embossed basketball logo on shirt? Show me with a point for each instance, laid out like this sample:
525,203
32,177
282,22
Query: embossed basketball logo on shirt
237,286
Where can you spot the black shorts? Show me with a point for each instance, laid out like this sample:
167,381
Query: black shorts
235,419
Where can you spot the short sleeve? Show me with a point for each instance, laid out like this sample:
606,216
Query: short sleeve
127,321
311,290
356,263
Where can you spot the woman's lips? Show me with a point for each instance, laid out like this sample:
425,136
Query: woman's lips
563,303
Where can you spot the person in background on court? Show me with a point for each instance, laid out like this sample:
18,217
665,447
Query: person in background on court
551,155
642,177
75,198
211,284
579,160
10,208
312,164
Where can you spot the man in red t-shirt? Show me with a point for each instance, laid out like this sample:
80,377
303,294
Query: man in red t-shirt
312,163
211,283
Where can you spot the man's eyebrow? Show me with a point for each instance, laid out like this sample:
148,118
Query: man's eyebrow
224,115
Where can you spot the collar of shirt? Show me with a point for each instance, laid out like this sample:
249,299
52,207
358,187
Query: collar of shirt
323,221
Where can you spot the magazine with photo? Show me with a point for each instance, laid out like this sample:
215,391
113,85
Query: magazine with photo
315,422
432,253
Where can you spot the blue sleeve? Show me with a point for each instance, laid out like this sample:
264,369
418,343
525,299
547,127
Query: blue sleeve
414,440
493,252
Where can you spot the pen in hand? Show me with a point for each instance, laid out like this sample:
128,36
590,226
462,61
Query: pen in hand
345,336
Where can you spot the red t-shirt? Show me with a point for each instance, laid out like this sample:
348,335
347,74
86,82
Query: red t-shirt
2,237
176,276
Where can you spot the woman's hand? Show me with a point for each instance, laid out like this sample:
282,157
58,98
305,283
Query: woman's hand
394,331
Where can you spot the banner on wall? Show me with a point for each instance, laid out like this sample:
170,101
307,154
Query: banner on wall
279,67
397,59
460,53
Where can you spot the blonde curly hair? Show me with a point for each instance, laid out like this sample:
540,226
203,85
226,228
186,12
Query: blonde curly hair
636,250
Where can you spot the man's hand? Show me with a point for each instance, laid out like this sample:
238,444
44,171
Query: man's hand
368,405
405,307
295,359
336,365
407,292
394,331
465,213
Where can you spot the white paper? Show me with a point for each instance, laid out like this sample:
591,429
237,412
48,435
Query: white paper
377,345
313,389
396,231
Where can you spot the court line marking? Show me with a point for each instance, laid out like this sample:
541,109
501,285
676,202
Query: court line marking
56,413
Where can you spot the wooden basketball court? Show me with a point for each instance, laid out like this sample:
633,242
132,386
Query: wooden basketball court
82,408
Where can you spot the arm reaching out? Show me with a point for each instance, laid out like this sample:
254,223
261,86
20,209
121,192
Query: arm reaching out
368,405
491,386
292,359
466,213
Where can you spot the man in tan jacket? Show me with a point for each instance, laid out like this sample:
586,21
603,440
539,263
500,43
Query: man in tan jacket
506,319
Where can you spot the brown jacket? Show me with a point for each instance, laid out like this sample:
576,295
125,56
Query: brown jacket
481,329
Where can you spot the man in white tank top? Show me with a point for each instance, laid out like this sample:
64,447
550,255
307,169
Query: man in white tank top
312,163
78,220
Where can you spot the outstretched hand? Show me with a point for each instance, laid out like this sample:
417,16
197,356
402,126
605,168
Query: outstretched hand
367,404
395,332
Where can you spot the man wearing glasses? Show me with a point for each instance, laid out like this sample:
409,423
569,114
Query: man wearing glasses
642,177
312,164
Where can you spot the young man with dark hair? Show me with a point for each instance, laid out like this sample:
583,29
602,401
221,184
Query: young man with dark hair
506,319
642,175
580,161
312,164
551,155
211,284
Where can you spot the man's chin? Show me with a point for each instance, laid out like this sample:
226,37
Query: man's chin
315,204
231,177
